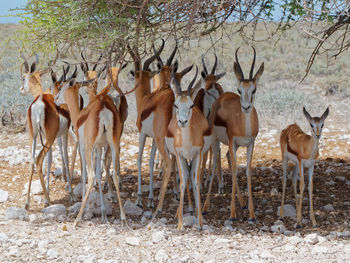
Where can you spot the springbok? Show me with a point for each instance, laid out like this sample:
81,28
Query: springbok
302,150
235,123
153,121
98,125
46,119
188,138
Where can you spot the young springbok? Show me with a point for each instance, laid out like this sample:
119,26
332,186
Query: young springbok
188,138
302,150
235,123
46,119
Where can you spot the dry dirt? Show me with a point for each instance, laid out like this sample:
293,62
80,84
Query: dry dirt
45,239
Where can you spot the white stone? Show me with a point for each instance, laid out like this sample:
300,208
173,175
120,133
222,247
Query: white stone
266,254
294,240
274,192
42,246
3,237
13,252
148,214
189,220
74,209
35,188
52,254
346,248
319,249
132,209
37,199
221,240
328,208
161,256
3,196
16,213
158,236
94,204
289,247
56,210
288,211
133,241
143,220
78,190
278,228
311,239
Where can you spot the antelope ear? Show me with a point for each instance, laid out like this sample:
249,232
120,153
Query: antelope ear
219,76
53,76
175,66
32,67
159,65
203,74
325,114
83,68
238,72
259,73
72,83
307,115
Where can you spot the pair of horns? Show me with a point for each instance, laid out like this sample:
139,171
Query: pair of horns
170,59
251,68
33,66
214,67
177,84
85,66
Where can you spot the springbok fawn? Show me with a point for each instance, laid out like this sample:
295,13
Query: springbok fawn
302,150
235,123
188,138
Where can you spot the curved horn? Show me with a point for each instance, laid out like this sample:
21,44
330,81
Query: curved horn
192,82
252,67
215,64
33,66
136,59
170,59
150,60
239,66
177,84
204,67
98,60
74,75
25,63
86,64
158,57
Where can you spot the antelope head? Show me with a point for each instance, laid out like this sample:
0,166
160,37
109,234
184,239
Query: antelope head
29,81
166,69
247,87
184,99
316,123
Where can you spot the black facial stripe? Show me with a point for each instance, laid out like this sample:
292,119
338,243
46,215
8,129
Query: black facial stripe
192,106
254,91
175,106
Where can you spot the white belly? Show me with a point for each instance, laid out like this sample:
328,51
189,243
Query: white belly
220,134
293,158
243,141
147,126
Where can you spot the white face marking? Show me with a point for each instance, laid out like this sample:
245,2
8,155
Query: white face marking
183,107
247,94
316,128
24,89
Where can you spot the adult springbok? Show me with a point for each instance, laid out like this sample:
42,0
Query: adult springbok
302,150
46,119
188,138
98,125
235,123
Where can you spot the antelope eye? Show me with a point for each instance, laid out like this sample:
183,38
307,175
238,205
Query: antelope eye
175,106
254,91
192,106
239,92
322,126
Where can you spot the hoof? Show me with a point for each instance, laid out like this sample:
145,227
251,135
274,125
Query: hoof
253,220
233,219
155,214
150,203
199,228
26,207
298,226
315,226
244,207
205,213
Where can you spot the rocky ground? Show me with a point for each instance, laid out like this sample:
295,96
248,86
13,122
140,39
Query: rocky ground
48,235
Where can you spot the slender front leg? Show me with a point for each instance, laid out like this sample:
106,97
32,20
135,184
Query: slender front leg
239,195
48,170
142,140
312,213
294,184
213,170
83,166
250,150
198,164
151,173
74,156
284,182
301,173
183,173
66,165
234,180
220,177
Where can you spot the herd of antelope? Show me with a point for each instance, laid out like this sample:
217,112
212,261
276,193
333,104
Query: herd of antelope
185,124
